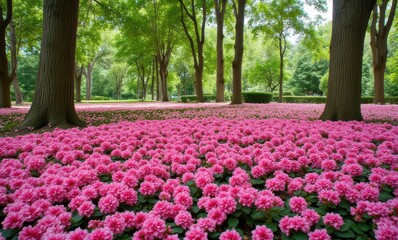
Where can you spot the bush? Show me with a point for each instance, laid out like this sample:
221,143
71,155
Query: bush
322,99
193,98
288,93
100,98
257,97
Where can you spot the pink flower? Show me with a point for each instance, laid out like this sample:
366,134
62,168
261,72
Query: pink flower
275,184
30,233
77,234
195,233
184,219
296,223
297,204
319,234
207,224
329,196
100,234
262,233
230,235
12,220
334,220
147,188
154,227
184,199
108,204
311,216
227,204
86,209
128,196
115,223
217,215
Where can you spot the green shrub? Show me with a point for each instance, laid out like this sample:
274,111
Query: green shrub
100,98
288,93
257,97
193,98
322,99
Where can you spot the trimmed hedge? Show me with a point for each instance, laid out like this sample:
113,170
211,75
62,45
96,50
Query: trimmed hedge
257,97
193,98
322,99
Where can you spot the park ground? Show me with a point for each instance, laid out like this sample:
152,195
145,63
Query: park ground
152,170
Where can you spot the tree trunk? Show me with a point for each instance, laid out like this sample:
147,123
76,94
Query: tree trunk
158,93
280,97
78,82
5,79
350,20
14,64
53,102
163,82
237,62
379,30
220,13
199,83
88,73
153,80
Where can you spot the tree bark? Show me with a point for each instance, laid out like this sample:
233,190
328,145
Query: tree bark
282,50
5,78
379,31
350,20
197,45
14,64
88,73
53,101
158,94
239,12
153,80
220,6
78,82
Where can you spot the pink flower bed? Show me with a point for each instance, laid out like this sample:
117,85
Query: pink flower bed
97,114
202,178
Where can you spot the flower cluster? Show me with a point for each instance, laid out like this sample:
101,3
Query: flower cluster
188,178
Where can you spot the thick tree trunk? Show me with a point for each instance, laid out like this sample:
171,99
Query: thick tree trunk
220,13
350,20
53,102
163,82
5,79
237,62
14,64
158,92
88,73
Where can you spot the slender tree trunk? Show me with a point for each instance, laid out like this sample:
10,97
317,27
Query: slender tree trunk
78,82
350,20
158,93
5,78
220,6
53,102
14,64
153,80
88,73
280,97
237,62
379,30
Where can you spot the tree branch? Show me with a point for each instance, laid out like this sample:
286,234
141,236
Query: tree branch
390,17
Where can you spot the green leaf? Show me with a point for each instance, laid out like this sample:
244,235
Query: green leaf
195,209
346,234
237,213
76,217
364,227
341,211
356,229
233,222
385,196
344,204
141,198
152,200
257,181
240,231
246,210
214,235
387,188
123,237
271,225
97,213
300,236
178,230
344,228
7,233
259,216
